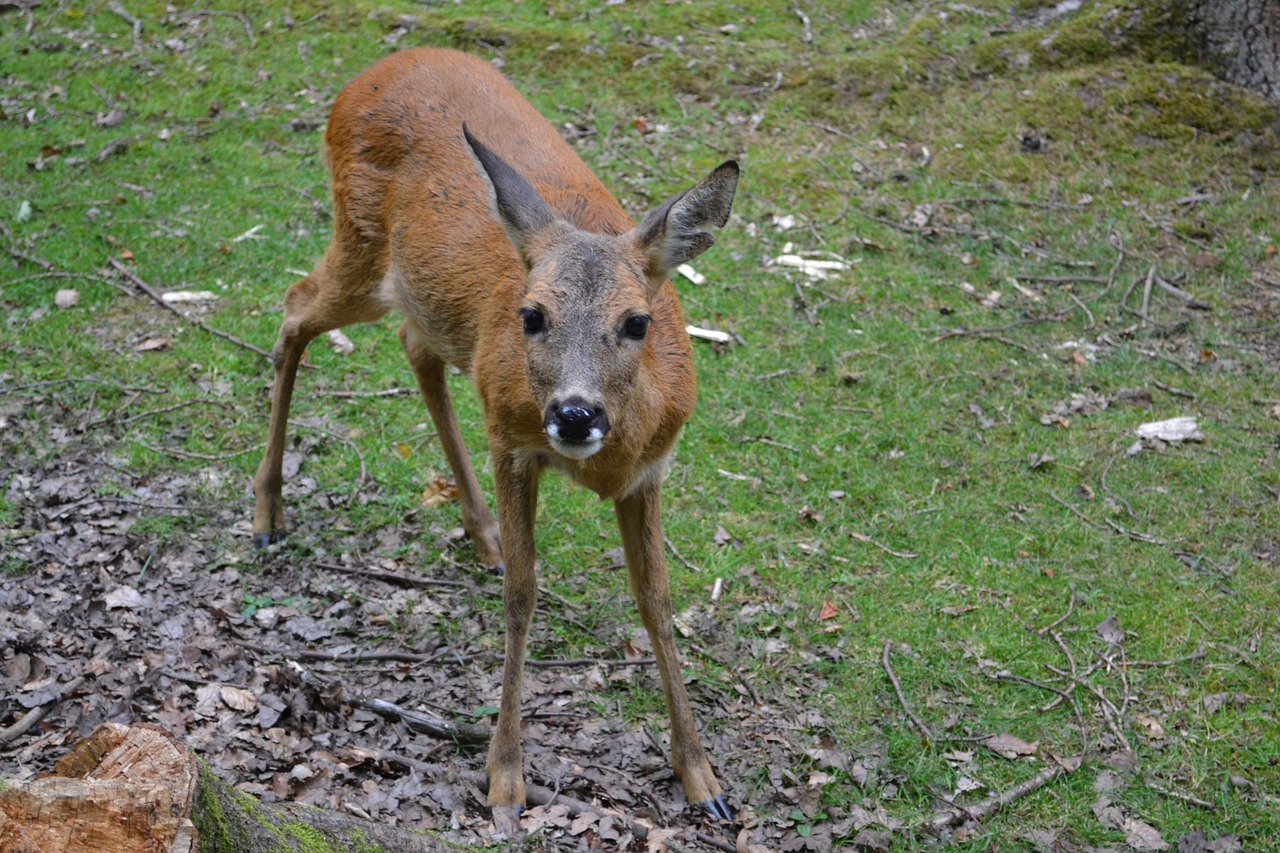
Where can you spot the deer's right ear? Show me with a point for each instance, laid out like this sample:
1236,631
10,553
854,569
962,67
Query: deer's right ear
512,200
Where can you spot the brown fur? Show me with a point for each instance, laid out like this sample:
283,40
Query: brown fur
419,226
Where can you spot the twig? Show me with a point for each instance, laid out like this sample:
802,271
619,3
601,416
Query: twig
1063,279
1177,392
111,416
187,454
804,19
118,8
676,553
348,657
1109,712
209,13
1083,307
862,537
803,304
461,733
1071,606
1178,795
1103,481
33,717
393,578
364,472
1200,652
897,688
988,807
31,259
437,657
386,392
1016,202
155,297
1135,535
772,443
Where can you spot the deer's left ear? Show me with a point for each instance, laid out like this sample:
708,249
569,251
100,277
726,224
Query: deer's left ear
676,231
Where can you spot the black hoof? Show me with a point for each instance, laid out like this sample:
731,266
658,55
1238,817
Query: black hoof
262,540
717,807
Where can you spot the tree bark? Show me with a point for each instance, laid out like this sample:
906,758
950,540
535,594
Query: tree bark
1238,39
136,789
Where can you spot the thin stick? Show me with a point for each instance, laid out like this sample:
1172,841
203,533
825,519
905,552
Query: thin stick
187,454
676,553
1071,606
118,8
1083,307
387,392
1177,392
33,717
897,688
1186,798
156,298
209,13
988,807
807,37
862,537
390,577
1201,651
1146,293
461,733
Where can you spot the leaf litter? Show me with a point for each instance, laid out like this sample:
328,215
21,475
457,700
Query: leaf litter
264,665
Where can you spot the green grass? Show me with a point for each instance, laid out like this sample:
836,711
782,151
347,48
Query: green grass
875,404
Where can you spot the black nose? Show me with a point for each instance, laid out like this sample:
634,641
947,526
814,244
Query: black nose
573,417
576,420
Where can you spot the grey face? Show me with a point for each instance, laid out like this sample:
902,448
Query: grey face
586,322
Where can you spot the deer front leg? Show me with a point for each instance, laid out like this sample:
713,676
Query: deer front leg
639,518
516,483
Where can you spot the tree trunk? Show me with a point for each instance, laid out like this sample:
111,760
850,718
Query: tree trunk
1239,39
136,789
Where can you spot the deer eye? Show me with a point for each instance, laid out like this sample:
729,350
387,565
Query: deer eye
533,320
636,326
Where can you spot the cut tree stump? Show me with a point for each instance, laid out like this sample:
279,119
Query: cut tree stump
136,789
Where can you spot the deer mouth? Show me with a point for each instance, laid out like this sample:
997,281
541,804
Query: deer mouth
575,427
575,448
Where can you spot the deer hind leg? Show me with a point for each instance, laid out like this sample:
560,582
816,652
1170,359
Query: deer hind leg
312,306
641,525
476,518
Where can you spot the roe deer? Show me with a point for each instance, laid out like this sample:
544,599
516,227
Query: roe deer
458,204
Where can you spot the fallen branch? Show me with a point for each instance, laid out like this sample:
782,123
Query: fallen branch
1200,652
468,734
897,688
195,321
988,807
33,717
1071,606
444,655
393,578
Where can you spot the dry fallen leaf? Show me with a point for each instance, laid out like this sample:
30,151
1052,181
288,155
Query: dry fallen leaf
238,699
1141,835
829,611
340,343
123,596
66,298
153,344
439,492
1008,746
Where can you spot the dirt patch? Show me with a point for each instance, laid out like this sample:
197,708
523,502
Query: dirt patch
146,587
